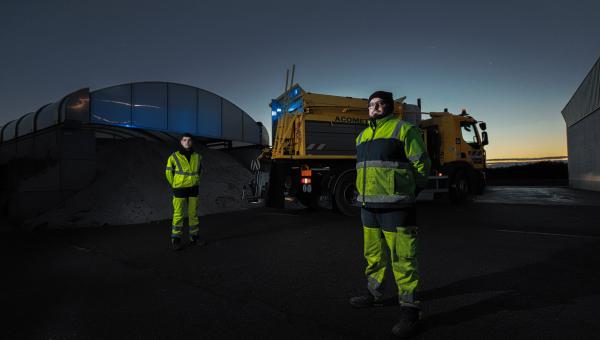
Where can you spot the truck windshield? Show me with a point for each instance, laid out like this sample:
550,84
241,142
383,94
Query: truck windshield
469,134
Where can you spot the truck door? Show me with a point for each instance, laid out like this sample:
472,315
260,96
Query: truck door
434,145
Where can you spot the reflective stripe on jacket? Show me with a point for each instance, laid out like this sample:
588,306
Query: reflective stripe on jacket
183,174
391,160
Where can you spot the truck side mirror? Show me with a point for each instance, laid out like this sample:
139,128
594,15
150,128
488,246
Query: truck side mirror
484,137
482,126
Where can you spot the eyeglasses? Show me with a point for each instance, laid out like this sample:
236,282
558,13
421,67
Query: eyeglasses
374,104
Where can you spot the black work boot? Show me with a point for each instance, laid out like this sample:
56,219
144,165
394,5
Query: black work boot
363,301
409,321
176,241
195,240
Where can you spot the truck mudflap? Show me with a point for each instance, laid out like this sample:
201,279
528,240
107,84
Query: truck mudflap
257,189
435,185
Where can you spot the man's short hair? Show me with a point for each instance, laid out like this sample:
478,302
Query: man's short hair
186,135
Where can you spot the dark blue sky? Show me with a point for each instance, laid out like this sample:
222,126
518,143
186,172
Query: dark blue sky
514,64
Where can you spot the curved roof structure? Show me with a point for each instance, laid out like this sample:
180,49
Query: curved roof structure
158,109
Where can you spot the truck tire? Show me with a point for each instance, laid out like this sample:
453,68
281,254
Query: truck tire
459,186
479,184
345,195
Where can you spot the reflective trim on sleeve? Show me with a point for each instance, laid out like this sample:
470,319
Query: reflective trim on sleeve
418,157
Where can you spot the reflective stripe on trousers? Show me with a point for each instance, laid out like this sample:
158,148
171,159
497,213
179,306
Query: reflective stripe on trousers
387,236
179,212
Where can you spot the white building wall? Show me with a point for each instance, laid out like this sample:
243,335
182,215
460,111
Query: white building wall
584,153
582,117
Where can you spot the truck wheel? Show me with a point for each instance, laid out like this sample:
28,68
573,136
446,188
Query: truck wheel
479,184
459,187
345,196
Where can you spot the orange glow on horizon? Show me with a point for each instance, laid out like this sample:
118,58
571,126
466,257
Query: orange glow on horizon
537,150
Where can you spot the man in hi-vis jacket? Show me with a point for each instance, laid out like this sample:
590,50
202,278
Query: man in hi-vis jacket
183,173
392,164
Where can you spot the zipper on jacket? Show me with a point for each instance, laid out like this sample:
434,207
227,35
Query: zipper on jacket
365,163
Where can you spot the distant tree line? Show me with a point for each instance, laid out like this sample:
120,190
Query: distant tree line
539,173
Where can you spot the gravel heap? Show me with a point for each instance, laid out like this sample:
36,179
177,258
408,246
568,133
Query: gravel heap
130,187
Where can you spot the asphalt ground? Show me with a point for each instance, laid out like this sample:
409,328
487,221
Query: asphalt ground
489,270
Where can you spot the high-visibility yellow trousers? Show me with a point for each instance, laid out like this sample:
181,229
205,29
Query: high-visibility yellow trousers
179,212
388,236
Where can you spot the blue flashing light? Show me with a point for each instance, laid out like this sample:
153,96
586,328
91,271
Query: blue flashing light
294,92
275,108
295,105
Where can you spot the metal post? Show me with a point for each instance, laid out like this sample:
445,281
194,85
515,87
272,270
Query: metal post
287,76
292,80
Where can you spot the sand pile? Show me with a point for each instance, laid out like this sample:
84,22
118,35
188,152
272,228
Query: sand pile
131,188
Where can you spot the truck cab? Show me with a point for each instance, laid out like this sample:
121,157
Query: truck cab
456,148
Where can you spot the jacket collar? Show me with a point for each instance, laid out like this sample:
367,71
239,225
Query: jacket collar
380,121
186,152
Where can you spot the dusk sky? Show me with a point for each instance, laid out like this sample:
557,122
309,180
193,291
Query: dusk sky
513,64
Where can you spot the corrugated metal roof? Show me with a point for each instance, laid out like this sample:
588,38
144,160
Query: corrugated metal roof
586,98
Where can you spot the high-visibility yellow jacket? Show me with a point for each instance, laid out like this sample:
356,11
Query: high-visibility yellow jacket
391,160
183,174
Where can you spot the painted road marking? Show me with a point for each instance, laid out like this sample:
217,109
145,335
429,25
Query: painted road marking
280,214
547,234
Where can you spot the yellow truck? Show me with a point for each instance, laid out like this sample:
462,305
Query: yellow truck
313,149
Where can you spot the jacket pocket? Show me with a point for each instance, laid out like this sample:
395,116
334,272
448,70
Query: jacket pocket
380,181
403,182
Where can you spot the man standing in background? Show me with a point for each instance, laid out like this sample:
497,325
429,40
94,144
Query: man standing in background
183,173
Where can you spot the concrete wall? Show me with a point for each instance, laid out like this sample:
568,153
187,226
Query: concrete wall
584,153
